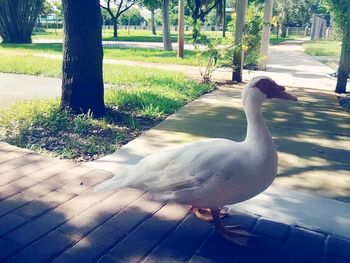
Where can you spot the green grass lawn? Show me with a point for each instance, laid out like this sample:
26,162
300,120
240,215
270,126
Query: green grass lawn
133,54
322,48
138,99
326,51
274,40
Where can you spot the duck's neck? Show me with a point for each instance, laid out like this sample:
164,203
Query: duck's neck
257,132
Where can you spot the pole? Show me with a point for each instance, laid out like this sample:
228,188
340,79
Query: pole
265,38
180,31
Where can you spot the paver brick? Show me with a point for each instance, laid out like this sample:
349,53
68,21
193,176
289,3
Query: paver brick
200,259
16,187
143,239
335,260
80,203
261,249
272,229
13,203
134,214
107,259
54,218
43,204
7,248
244,220
26,170
338,247
303,246
36,228
13,155
91,218
91,247
83,181
54,178
9,222
181,244
42,250
17,161
61,167
216,249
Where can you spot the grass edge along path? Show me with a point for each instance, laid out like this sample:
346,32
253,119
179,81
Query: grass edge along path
138,99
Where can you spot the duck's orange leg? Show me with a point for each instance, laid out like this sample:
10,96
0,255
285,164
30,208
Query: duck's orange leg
204,214
234,233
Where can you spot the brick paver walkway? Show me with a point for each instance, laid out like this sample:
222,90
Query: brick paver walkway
49,213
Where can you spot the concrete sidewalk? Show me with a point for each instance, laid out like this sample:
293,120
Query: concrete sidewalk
122,44
14,87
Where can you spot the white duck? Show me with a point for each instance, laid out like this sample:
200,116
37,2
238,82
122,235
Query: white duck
214,172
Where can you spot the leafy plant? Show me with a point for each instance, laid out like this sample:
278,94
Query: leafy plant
252,34
214,49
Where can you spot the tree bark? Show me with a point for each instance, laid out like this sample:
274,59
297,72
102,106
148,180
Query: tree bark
180,29
166,26
82,79
115,27
283,31
153,24
344,63
265,36
238,53
17,19
224,18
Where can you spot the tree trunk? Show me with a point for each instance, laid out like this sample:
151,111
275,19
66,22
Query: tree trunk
344,63
224,18
115,27
82,79
283,31
17,19
238,53
166,26
153,24
180,29
265,35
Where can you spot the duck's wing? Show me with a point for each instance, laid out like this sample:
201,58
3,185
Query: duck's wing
187,167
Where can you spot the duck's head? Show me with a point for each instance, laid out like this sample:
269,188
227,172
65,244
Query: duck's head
261,88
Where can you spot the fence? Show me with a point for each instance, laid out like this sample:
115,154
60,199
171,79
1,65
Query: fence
160,28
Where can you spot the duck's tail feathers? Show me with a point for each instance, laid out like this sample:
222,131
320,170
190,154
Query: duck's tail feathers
163,196
115,182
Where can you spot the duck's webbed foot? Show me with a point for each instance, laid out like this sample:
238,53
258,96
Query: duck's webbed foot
204,214
235,233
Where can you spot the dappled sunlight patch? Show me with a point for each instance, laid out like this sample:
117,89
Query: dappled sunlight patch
323,141
326,183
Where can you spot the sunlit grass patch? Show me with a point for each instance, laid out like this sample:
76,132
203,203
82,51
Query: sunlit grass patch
322,48
138,99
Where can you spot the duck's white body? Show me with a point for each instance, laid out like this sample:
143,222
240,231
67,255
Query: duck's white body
210,173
